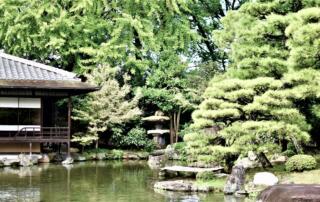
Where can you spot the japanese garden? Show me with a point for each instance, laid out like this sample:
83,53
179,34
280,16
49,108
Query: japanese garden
160,100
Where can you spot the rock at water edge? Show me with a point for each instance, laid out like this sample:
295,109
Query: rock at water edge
182,186
25,161
155,162
290,193
235,180
44,159
171,153
11,162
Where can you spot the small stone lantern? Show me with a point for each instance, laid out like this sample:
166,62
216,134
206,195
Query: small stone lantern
158,133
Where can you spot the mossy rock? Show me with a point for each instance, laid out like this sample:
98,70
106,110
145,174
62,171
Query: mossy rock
89,155
101,156
143,155
301,162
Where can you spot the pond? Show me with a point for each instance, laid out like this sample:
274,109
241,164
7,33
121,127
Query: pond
107,181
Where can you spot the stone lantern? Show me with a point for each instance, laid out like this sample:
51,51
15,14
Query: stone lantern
158,133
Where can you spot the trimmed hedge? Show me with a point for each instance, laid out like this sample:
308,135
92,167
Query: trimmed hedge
301,162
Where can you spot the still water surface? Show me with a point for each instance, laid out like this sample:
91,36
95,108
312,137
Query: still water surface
107,181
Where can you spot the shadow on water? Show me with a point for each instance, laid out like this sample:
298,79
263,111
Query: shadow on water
108,181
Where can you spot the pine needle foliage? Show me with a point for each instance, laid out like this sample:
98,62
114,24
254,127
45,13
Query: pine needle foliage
269,96
270,38
260,115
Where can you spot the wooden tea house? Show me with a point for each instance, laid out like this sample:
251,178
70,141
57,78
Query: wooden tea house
29,114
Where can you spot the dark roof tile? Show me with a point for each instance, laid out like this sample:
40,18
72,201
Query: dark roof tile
15,68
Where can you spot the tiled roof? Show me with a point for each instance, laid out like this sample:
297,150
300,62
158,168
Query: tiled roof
15,68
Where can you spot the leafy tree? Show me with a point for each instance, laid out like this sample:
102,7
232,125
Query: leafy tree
130,34
107,107
148,40
52,32
167,89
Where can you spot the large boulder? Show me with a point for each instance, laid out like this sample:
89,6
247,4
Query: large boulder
171,153
248,162
290,193
265,178
278,159
44,159
252,156
155,162
235,181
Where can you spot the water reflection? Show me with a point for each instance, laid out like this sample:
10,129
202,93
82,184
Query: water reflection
116,181
20,194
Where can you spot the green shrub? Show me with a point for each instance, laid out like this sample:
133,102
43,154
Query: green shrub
137,139
205,176
291,150
115,154
150,146
301,162
289,153
180,146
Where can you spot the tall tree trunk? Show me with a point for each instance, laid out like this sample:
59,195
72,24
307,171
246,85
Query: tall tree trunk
177,124
97,144
97,147
264,160
171,129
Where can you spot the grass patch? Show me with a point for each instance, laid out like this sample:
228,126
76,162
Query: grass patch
217,183
306,177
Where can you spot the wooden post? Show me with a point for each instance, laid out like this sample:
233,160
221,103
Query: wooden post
41,123
69,124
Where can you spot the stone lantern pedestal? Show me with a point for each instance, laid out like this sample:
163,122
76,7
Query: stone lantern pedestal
158,133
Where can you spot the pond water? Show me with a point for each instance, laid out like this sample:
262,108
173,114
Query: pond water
107,181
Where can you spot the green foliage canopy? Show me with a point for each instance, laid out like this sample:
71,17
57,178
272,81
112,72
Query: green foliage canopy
107,107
